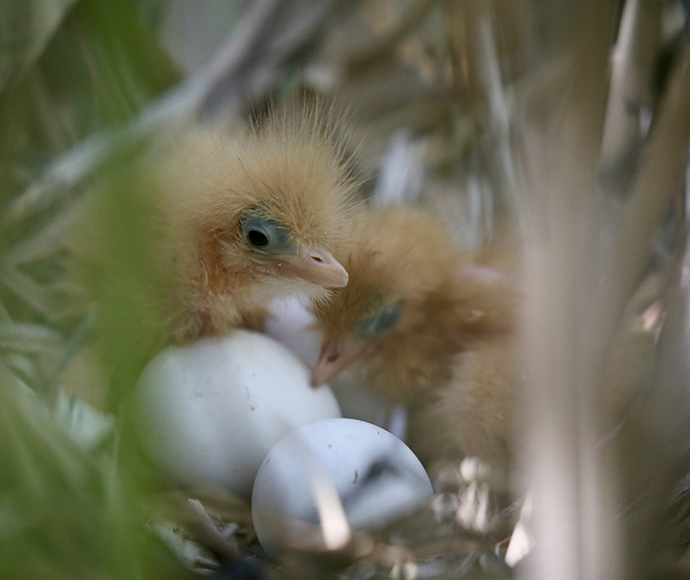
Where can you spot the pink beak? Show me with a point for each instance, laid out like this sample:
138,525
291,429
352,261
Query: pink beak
336,356
315,265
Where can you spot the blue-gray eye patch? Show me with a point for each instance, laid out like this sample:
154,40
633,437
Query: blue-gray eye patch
382,321
266,236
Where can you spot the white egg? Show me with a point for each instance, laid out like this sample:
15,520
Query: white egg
331,476
209,412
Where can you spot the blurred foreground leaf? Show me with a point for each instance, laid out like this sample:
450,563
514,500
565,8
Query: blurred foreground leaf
63,514
26,27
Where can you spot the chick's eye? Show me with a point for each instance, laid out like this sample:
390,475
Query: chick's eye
257,238
382,321
265,236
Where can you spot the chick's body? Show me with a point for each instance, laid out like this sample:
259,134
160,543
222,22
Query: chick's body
447,355
475,413
244,216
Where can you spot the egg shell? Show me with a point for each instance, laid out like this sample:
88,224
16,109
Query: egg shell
209,412
375,475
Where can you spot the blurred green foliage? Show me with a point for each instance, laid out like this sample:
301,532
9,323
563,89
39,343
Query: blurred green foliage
69,70
99,64
82,84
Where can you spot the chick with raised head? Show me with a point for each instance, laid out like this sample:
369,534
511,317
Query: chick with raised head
427,325
247,215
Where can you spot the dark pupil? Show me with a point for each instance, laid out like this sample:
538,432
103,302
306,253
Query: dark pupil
257,238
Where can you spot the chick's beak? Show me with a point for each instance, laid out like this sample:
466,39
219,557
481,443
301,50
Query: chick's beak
314,265
336,356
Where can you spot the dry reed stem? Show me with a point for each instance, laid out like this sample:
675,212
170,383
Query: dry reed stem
573,506
578,288
661,172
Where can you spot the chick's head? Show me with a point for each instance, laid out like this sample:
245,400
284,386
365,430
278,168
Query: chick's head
393,315
413,302
255,213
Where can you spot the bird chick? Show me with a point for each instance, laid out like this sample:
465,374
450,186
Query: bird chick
430,327
245,216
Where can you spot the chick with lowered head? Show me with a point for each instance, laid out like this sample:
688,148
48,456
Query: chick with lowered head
429,326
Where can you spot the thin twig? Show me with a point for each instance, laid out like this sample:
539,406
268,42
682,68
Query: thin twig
501,152
632,65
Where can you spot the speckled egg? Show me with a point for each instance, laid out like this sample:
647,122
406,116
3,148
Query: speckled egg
329,477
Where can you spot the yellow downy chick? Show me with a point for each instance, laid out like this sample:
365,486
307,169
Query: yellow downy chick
247,215
428,326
